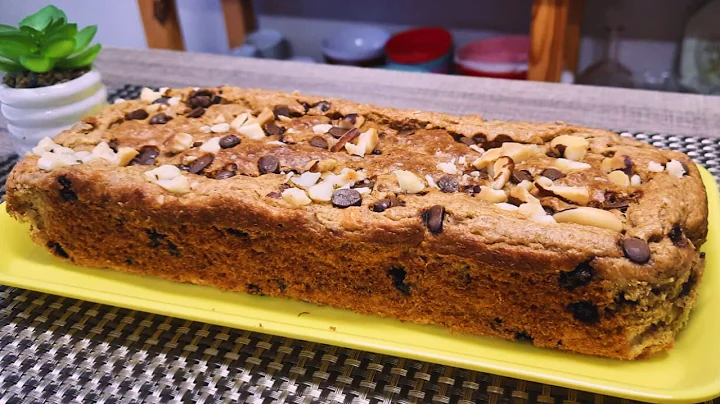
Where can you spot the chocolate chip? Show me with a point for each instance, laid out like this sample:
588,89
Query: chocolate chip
113,144
628,169
381,205
66,193
615,201
584,311
561,149
138,114
160,119
229,141
347,137
272,129
473,189
224,174
197,166
201,93
216,99
702,255
196,113
156,238
496,142
548,209
514,201
183,167
274,195
200,101
580,276
552,173
323,106
366,183
398,275
433,219
636,250
146,156
344,198
57,249
467,140
268,164
479,138
448,184
523,336
161,100
253,289
281,110
677,237
377,152
406,132
519,176
197,144
687,287
318,141
337,132
352,118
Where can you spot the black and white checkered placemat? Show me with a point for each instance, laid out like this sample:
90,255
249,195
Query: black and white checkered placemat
59,350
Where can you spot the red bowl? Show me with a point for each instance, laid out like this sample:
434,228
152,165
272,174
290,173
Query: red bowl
419,45
499,57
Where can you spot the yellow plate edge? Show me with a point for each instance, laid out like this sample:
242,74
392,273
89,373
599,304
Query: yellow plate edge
316,326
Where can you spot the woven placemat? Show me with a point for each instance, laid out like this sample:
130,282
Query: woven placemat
59,350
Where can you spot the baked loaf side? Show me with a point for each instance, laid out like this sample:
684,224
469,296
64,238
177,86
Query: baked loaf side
572,238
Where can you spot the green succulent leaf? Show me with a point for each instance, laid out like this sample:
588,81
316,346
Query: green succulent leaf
40,19
37,63
43,18
20,38
7,28
45,40
32,32
60,48
58,14
84,37
63,31
12,50
56,23
83,59
10,66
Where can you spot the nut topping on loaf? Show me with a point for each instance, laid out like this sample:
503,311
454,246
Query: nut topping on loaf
575,238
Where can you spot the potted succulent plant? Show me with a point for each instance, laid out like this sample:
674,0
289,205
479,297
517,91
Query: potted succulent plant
49,83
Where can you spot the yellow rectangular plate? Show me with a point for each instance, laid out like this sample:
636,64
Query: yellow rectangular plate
688,373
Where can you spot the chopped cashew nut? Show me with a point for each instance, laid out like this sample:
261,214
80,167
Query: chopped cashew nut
408,181
296,197
590,217
571,147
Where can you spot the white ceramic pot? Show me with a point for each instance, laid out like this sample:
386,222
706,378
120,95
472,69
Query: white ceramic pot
33,113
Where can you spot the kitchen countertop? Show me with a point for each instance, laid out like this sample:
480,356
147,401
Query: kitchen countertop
612,108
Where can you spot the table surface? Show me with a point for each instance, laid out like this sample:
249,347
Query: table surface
59,340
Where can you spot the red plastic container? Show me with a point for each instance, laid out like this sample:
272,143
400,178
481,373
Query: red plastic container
421,49
499,57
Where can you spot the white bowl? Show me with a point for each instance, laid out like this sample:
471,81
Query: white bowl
356,44
34,113
270,44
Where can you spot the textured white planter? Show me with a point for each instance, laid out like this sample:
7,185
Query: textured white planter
33,113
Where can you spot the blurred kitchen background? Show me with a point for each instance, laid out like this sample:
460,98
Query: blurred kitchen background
668,45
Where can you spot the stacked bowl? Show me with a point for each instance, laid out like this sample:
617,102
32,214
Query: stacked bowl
356,46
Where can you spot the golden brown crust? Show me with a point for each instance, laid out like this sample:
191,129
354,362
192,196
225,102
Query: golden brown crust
485,269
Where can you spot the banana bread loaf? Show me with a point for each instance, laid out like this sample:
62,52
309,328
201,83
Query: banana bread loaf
572,238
